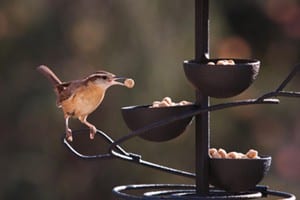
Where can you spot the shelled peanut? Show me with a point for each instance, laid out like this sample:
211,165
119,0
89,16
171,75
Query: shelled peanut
129,83
222,62
221,153
167,102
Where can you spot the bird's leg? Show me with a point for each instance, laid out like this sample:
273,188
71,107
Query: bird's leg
93,129
68,130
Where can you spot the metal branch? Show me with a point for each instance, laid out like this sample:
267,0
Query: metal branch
190,114
100,156
123,155
288,78
279,91
137,159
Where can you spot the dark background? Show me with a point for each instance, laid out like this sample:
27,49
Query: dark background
148,41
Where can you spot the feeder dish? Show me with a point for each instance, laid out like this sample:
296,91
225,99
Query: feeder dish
137,117
237,175
221,81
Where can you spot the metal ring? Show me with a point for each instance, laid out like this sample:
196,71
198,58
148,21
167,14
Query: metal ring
176,191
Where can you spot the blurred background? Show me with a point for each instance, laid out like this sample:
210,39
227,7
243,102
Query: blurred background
148,41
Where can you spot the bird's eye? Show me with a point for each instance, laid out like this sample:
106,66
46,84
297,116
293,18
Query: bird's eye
104,77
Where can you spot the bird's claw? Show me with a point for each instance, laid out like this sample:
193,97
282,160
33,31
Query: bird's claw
93,131
69,136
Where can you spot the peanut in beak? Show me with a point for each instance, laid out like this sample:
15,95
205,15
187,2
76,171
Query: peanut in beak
128,82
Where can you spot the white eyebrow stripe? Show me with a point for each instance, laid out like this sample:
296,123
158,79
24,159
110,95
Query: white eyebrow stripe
104,73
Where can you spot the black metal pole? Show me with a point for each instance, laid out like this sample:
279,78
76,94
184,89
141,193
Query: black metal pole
201,29
202,120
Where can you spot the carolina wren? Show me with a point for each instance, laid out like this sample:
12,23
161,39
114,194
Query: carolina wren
79,98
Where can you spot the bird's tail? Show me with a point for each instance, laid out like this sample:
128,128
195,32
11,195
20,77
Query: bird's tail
49,74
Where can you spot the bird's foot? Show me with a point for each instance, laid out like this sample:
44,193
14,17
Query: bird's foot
93,131
69,136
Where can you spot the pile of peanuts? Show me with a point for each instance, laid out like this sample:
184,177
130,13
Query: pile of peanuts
222,62
167,102
221,153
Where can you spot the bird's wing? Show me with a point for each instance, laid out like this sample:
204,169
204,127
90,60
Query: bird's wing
66,90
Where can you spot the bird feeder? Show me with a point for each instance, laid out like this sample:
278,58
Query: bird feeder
215,178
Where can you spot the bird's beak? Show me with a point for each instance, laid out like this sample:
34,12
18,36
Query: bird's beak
118,80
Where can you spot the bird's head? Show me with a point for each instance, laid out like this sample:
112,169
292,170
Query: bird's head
105,79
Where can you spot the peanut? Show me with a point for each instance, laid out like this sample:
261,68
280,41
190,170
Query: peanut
225,62
129,83
222,153
252,154
212,151
216,155
163,104
232,155
230,62
221,62
168,100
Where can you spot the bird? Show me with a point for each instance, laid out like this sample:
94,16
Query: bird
79,98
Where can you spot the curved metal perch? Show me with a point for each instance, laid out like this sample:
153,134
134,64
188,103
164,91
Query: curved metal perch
122,154
116,151
108,139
